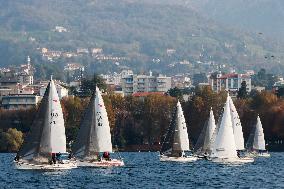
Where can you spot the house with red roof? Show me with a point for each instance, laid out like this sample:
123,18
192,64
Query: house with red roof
230,82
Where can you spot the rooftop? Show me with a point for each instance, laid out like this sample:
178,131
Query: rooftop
143,94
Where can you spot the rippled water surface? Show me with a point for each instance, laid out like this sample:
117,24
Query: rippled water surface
143,170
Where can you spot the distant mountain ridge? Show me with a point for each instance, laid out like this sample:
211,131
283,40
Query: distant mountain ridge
264,16
141,30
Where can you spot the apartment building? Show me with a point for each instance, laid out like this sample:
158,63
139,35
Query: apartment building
229,82
20,101
145,83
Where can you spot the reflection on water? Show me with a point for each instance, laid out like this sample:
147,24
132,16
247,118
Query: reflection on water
57,173
143,170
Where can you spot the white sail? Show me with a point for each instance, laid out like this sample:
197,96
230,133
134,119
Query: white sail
181,141
102,133
208,145
259,142
237,127
225,146
56,121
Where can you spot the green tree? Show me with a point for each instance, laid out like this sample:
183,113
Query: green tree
175,92
88,86
11,140
242,93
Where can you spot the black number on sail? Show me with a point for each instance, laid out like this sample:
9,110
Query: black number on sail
54,114
52,122
99,121
99,118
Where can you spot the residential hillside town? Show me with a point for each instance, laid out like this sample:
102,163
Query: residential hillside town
20,90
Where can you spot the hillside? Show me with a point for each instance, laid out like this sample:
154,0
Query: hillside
255,15
139,30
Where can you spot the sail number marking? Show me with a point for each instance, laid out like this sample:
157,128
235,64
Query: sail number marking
99,118
54,114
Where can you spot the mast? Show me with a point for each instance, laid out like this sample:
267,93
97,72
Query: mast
237,127
56,121
102,139
205,139
47,134
259,141
94,134
169,136
210,131
225,146
180,141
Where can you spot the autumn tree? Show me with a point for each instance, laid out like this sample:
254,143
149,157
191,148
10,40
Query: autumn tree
11,140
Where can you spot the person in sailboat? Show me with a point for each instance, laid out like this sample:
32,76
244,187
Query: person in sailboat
53,158
106,156
17,158
59,157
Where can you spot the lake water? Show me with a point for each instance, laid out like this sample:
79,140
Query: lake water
143,170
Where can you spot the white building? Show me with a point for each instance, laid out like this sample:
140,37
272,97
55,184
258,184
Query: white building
145,83
229,82
181,81
20,101
62,91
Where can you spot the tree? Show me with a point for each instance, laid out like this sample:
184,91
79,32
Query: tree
88,86
280,92
175,92
11,140
242,93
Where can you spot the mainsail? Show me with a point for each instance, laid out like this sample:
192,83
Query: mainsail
258,142
225,146
94,135
237,127
47,134
203,144
176,140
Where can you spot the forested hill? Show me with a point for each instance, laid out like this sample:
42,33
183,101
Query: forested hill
141,30
264,16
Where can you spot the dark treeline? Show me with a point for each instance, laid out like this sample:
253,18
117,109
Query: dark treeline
144,120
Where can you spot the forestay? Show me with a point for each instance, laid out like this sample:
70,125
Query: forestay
47,126
258,142
237,127
94,135
181,141
203,144
176,140
56,121
225,146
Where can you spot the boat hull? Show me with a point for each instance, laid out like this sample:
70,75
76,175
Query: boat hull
102,163
266,155
59,166
232,160
256,154
179,159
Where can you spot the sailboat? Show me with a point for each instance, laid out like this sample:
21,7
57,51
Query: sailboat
204,146
256,143
94,136
224,148
176,141
237,127
45,145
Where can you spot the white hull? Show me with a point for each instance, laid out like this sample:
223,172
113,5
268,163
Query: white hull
102,163
179,159
58,166
267,155
257,154
233,160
